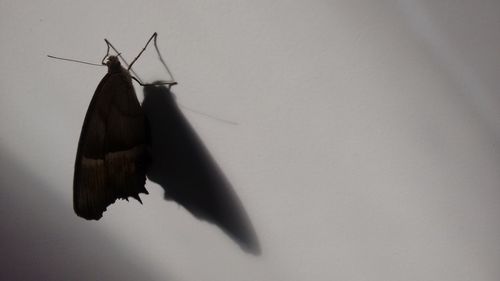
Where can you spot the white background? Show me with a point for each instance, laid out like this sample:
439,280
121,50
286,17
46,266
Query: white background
367,144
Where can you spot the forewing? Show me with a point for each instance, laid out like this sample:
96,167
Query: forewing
110,161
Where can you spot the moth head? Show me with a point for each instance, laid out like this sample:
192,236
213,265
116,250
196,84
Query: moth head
113,64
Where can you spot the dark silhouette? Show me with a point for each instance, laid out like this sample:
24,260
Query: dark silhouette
188,174
110,158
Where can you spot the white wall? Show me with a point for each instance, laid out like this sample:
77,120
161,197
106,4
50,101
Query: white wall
367,144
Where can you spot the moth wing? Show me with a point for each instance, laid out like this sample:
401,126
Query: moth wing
111,159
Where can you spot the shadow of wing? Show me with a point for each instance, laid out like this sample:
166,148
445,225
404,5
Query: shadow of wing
183,167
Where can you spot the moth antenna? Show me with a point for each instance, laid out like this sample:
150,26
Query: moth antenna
78,61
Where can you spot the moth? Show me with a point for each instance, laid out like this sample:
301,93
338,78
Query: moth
122,142
111,159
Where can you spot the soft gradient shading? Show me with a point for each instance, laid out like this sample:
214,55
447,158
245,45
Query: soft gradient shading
36,243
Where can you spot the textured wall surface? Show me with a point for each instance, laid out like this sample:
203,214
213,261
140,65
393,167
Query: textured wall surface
367,144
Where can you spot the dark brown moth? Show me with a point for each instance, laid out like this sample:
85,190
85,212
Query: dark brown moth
111,159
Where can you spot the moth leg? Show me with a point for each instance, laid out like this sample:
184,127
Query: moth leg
143,49
118,54
107,51
137,79
154,37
